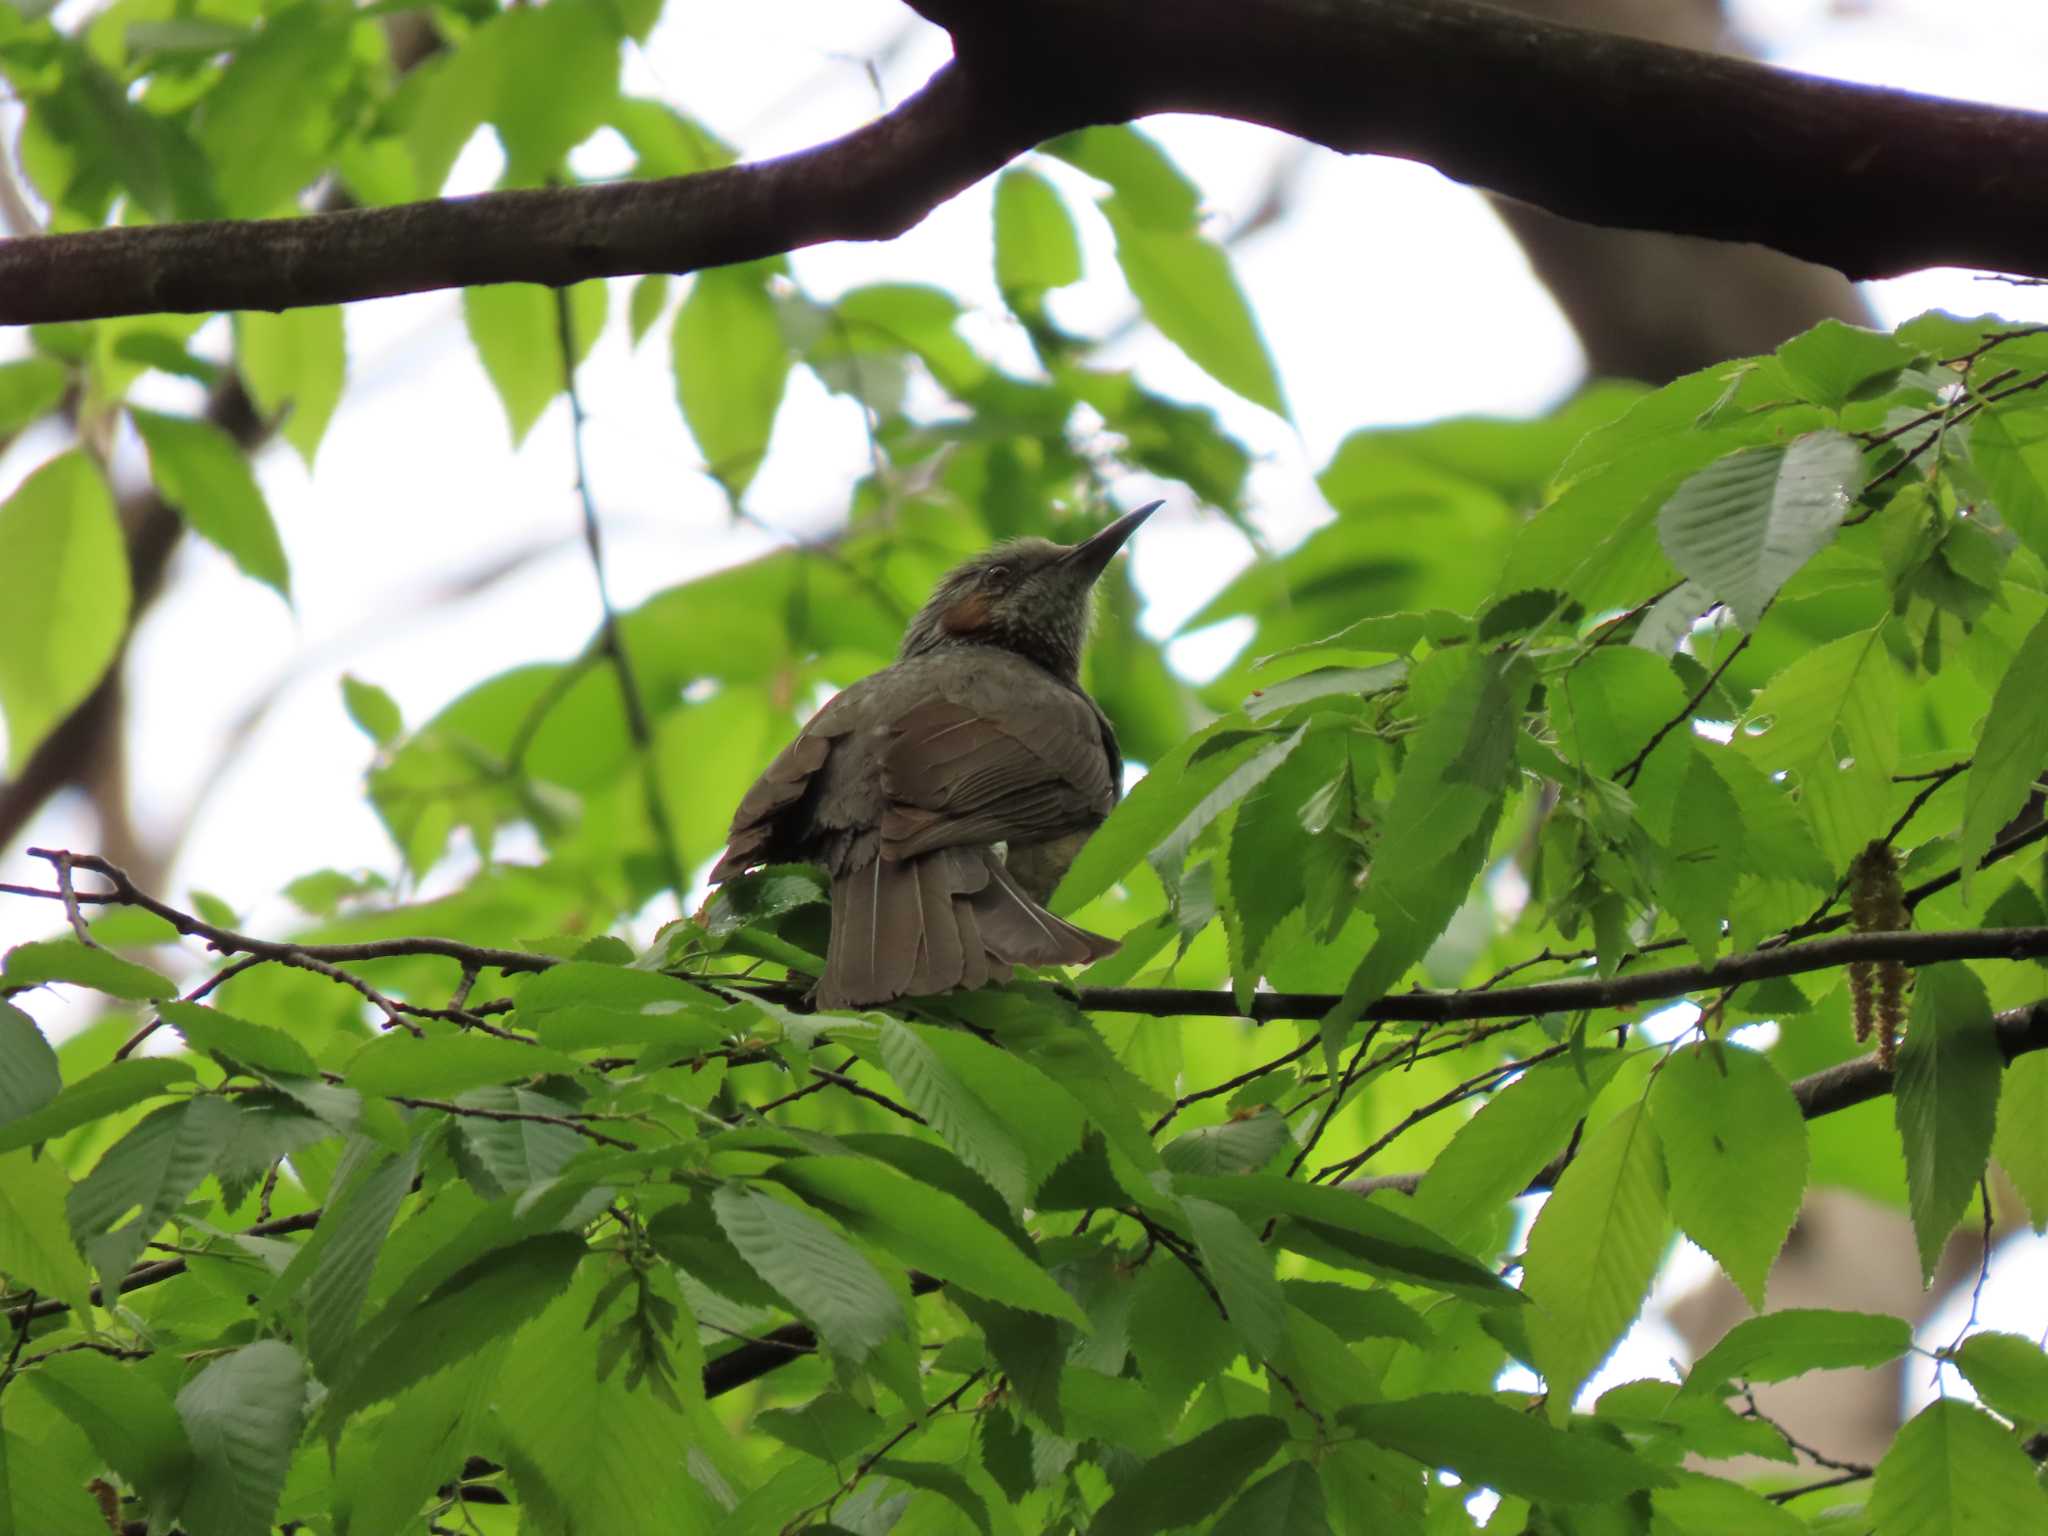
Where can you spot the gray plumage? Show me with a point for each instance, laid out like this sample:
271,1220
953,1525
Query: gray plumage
946,794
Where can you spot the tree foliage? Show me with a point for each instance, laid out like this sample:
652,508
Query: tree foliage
495,1210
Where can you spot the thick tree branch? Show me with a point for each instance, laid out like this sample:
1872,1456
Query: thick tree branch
1605,129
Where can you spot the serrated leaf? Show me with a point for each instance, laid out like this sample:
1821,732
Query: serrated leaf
1745,524
114,1087
731,365
1735,1154
1486,1442
1236,1146
1182,1485
2022,1139
440,1065
1242,1269
1593,1252
252,1045
1781,1345
34,1248
64,588
1945,1100
1833,361
149,1172
2010,1373
1711,1506
2010,753
1243,777
29,1078
1037,247
824,1276
928,1230
241,1415
48,960
1954,1471
1498,1151
334,1279
205,476
1289,1502
1177,1336
126,1414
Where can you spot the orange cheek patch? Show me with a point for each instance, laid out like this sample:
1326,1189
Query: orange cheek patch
967,615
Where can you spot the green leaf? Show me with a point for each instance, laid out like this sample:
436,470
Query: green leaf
823,1275
1177,1336
2010,753
1386,1240
1954,1471
1270,844
293,365
241,1415
1148,184
30,965
1289,1502
1713,1506
271,121
374,711
201,472
732,365
37,1493
64,589
1187,289
126,1414
148,1171
1735,1151
385,1477
331,1273
1498,1151
1037,247
521,1152
1833,361
2010,1373
94,1097
1945,1100
1241,1268
927,1229
1785,1344
1486,1442
251,1045
1236,1146
34,1249
28,389
1745,524
1184,1484
2022,1139
1246,776
2010,449
439,1065
29,1078
517,331
1829,722
956,1080
1593,1252
649,299
1353,1312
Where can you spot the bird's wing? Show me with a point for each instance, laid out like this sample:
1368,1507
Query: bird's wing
760,827
954,775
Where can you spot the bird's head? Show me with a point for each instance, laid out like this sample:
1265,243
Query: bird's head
1030,596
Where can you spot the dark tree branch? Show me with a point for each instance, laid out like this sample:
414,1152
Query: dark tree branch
1605,129
1826,1092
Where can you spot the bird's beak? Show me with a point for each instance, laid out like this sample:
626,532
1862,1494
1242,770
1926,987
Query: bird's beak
1091,557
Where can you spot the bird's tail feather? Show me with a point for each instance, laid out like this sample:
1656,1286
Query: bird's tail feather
946,921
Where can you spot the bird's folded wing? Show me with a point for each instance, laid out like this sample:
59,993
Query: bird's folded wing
781,785
954,776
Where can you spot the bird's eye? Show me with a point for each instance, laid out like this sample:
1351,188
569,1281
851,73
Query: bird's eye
996,576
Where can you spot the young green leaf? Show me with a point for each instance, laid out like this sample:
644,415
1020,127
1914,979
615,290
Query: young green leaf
251,1045
1945,1100
2021,1143
1833,361
2009,1372
64,589
1745,524
294,364
204,475
516,329
1735,1151
1289,1502
2009,753
374,711
147,1172
29,1078
1593,1251
126,1414
48,960
1781,1345
28,389
1242,1269
731,364
1486,1442
111,1089
1182,1485
1036,245
1955,1471
241,1415
824,1276
435,1067
35,1250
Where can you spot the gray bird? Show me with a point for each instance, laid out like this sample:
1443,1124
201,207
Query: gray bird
947,793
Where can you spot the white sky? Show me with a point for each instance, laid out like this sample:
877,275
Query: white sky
1363,291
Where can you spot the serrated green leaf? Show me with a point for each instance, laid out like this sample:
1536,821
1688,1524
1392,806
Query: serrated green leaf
1236,1146
1712,1506
242,1415
1593,1252
331,1274
1833,361
822,1274
1945,1100
29,1078
2021,1143
1177,1336
1182,1485
397,1064
293,365
385,1477
1241,1268
35,1252
1954,1471
48,960
149,1171
201,472
64,587
1486,1442
2010,449
928,1230
271,121
252,1045
731,365
517,331
127,1415
111,1089
2010,1373
1735,1153
2010,753
1243,778
1781,1345
1289,1502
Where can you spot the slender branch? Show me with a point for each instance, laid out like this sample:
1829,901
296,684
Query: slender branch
1596,127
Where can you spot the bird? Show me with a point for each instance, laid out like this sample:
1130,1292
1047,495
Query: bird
946,794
